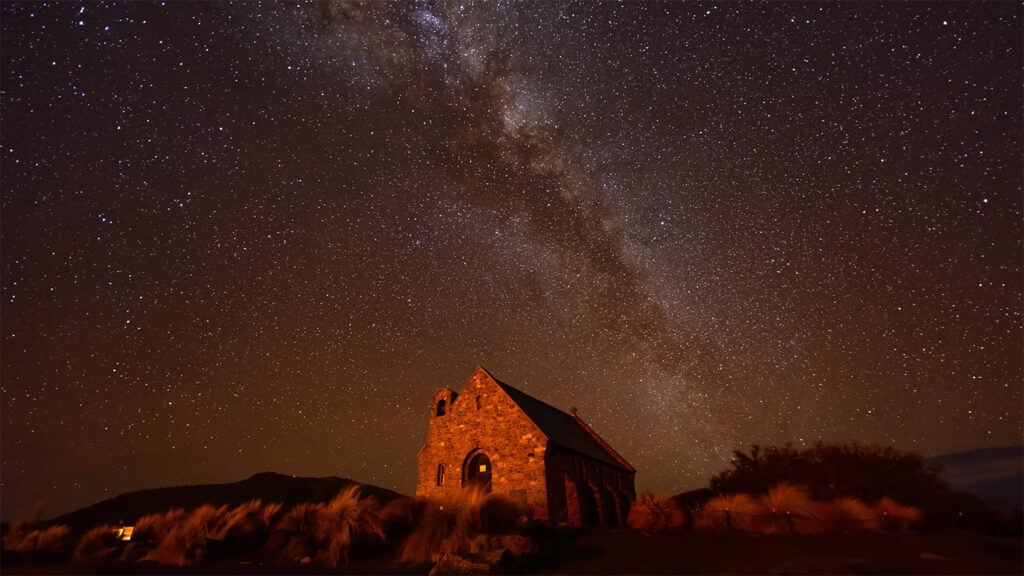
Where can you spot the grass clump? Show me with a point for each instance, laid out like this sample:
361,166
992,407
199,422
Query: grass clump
897,517
727,512
790,509
99,545
457,525
327,533
785,509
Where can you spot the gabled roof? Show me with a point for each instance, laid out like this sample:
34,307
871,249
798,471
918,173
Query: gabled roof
565,430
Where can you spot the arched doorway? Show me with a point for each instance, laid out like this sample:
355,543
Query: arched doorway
478,472
608,506
589,514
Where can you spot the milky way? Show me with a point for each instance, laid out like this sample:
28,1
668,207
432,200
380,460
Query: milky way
250,237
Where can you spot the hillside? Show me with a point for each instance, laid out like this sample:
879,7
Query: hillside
268,486
996,475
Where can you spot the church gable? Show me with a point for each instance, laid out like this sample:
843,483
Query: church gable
494,437
480,435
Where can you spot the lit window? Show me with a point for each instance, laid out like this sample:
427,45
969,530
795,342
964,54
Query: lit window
483,467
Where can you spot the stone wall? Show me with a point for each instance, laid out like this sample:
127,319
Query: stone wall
482,418
586,491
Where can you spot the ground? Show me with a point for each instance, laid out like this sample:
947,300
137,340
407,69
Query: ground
629,552
619,551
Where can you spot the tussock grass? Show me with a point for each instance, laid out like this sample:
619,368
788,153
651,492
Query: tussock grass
155,527
654,515
790,509
185,542
402,512
897,517
50,540
785,509
451,526
850,516
728,512
246,519
328,532
97,546
179,538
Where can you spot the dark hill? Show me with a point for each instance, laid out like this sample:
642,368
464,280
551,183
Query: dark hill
267,486
996,475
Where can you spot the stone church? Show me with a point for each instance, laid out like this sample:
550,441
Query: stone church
505,441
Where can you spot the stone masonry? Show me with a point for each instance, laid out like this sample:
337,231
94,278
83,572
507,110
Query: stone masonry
555,482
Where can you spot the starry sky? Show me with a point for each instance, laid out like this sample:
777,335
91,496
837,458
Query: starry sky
241,237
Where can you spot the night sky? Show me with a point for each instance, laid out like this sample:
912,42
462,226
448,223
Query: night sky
249,237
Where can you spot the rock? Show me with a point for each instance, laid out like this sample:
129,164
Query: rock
493,557
305,560
479,543
516,544
452,564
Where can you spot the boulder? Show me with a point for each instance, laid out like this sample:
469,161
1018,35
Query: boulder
453,564
516,544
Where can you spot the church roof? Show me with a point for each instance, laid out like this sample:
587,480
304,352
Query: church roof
565,430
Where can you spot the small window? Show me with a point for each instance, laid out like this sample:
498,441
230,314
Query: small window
440,474
477,402
440,407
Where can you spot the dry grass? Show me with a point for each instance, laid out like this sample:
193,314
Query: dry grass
155,527
450,526
179,537
789,509
402,512
185,542
47,540
897,517
328,532
655,515
97,546
246,519
786,509
728,512
849,516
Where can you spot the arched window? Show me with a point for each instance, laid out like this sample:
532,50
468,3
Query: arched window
440,407
440,474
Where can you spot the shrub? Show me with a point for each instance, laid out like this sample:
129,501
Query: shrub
655,515
863,471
